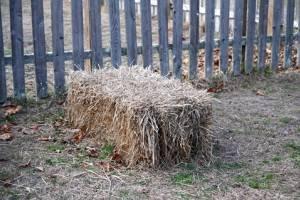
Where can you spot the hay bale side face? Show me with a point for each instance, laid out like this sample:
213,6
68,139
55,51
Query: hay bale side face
150,119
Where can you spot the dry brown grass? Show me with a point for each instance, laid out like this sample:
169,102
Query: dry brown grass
151,119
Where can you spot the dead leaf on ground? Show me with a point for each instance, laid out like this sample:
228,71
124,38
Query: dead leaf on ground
25,165
260,93
12,109
106,166
40,169
117,158
92,152
6,137
78,137
216,89
44,139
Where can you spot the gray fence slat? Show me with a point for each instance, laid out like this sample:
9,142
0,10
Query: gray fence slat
115,41
163,37
262,33
209,37
16,24
224,34
289,33
58,45
39,43
77,34
194,38
146,32
177,38
238,34
131,31
277,13
3,90
96,33
251,15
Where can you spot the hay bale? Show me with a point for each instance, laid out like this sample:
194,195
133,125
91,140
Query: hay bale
150,119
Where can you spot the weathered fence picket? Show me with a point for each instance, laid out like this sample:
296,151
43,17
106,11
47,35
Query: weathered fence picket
163,37
115,51
16,24
3,90
39,44
224,35
262,33
58,45
250,35
289,33
77,34
177,38
96,33
115,37
194,39
146,33
209,37
238,34
131,32
277,13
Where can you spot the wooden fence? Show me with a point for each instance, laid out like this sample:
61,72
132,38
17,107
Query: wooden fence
97,52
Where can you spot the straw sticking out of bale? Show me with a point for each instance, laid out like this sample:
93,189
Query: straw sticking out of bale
150,119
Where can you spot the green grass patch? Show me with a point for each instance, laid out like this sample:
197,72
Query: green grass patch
285,120
294,152
106,151
182,178
256,182
57,148
56,161
276,158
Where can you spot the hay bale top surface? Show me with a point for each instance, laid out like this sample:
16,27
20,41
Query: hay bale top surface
137,87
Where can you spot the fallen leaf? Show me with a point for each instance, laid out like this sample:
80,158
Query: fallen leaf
25,165
117,158
5,128
35,127
78,137
40,169
106,166
260,93
12,109
6,137
92,152
44,139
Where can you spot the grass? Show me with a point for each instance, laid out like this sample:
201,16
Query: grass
263,181
182,178
294,152
56,161
106,151
285,120
57,148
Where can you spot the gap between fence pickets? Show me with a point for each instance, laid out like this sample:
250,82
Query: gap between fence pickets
68,55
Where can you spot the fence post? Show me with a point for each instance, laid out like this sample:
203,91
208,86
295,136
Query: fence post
38,30
177,38
238,34
58,45
194,38
250,36
277,12
146,32
96,33
77,33
115,37
224,34
209,37
131,32
16,24
3,90
163,37
262,33
289,33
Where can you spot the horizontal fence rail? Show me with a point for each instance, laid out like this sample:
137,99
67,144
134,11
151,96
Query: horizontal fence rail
256,35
